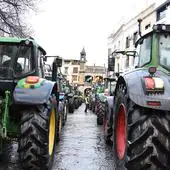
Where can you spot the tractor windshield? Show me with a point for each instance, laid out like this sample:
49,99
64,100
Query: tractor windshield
164,51
145,52
15,60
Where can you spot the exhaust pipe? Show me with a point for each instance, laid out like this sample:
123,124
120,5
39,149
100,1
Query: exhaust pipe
139,25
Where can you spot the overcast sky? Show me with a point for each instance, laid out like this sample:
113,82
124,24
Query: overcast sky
64,27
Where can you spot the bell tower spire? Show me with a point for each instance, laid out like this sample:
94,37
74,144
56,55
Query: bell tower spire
82,66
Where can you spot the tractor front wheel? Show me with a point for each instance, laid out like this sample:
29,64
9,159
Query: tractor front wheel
140,135
37,140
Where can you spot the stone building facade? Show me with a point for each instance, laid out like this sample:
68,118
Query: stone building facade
127,34
77,71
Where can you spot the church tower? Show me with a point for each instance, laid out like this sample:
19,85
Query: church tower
82,66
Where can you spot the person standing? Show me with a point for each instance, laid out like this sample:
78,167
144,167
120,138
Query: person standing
86,102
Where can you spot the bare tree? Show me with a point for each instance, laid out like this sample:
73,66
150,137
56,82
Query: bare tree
11,12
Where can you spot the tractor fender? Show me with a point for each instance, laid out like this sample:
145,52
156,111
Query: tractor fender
110,101
39,94
133,81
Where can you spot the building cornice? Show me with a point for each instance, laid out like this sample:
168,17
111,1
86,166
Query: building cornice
133,21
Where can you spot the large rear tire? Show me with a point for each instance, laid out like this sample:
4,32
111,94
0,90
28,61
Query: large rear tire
141,136
149,139
37,140
120,128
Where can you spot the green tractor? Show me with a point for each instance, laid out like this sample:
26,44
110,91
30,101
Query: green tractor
28,102
141,116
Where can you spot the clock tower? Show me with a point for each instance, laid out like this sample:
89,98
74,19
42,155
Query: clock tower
82,66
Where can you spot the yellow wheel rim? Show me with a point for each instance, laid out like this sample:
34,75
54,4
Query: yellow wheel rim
51,132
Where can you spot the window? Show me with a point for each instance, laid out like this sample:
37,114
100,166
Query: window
15,58
135,36
40,64
67,61
75,62
145,51
161,13
127,42
164,51
147,26
66,70
74,78
24,59
75,69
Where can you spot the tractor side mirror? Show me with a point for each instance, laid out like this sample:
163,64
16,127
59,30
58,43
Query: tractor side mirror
117,74
57,60
45,58
139,42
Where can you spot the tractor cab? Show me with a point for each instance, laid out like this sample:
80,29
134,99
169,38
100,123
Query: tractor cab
19,58
153,48
16,59
110,84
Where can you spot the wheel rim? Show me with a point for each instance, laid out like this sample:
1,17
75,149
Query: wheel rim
121,132
51,132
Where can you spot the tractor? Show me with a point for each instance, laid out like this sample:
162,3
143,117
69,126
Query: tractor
99,102
63,102
78,98
28,102
105,102
108,95
140,122
62,106
70,97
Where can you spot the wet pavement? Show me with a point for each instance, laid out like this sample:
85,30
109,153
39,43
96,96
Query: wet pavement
81,147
